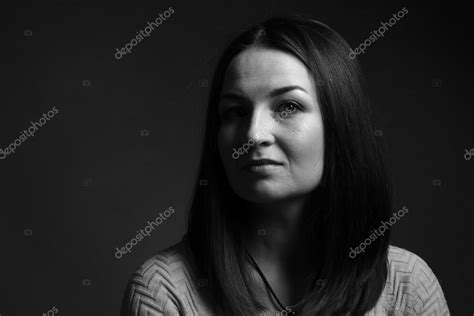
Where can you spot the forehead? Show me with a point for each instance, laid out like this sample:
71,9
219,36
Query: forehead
264,69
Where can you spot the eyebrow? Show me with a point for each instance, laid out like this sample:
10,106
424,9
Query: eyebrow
273,93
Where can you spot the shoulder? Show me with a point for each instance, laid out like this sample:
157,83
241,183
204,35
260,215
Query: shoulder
412,286
153,289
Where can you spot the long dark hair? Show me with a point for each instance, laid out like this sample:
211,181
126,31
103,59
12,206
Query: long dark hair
354,195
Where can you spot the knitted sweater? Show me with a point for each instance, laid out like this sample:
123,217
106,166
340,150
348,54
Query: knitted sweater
167,284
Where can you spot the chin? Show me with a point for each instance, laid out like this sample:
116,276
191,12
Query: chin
259,195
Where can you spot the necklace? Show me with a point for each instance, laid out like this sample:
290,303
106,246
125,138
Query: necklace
266,282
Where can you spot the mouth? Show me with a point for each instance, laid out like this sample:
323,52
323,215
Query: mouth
262,165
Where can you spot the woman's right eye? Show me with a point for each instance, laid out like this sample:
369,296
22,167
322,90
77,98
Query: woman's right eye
232,112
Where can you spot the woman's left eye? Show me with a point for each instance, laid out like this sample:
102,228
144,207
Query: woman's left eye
288,107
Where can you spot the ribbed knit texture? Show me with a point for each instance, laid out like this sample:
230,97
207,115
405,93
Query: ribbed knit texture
167,284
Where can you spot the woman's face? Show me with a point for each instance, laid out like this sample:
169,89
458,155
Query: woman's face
269,97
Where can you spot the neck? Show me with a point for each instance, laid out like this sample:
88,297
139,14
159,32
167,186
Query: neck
279,232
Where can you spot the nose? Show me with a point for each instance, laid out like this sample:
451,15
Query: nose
259,128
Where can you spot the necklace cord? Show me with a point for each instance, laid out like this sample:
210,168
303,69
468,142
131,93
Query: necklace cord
265,280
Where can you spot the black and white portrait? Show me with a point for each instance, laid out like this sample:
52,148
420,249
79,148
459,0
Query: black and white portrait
236,158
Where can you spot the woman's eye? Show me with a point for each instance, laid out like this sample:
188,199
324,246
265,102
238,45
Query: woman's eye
232,112
287,108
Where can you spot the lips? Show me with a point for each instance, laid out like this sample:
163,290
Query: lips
261,162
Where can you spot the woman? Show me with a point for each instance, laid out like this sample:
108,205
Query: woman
295,180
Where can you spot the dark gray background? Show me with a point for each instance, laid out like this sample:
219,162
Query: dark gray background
88,180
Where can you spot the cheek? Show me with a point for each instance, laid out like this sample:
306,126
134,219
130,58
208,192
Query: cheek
224,144
307,153
310,155
316,146
221,145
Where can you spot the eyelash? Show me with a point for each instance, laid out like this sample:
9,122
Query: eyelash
297,106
